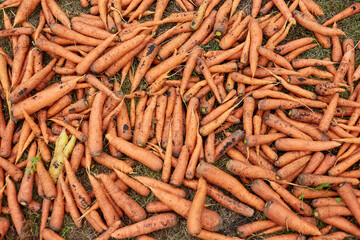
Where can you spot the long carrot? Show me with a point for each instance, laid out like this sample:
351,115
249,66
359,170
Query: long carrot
157,222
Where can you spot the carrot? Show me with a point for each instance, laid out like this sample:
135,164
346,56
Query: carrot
249,171
157,207
178,175
288,144
117,51
131,208
256,40
297,204
81,197
106,235
49,234
209,219
307,23
136,152
230,38
57,214
196,208
343,224
132,183
107,209
282,126
221,20
199,16
58,13
211,126
27,182
70,202
26,8
316,180
161,221
289,236
200,34
339,235
19,59
5,148
5,224
150,53
208,172
144,131
283,8
144,237
273,209
328,115
253,227
347,194
292,45
331,211
347,12
16,214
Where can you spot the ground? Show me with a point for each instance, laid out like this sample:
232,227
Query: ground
350,26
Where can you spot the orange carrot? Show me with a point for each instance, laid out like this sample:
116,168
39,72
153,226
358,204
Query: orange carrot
214,175
157,222
196,208
272,211
136,152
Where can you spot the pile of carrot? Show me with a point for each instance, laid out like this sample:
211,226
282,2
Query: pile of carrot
186,109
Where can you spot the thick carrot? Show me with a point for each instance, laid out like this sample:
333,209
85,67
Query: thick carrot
196,208
135,152
15,211
161,221
131,208
276,212
221,20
